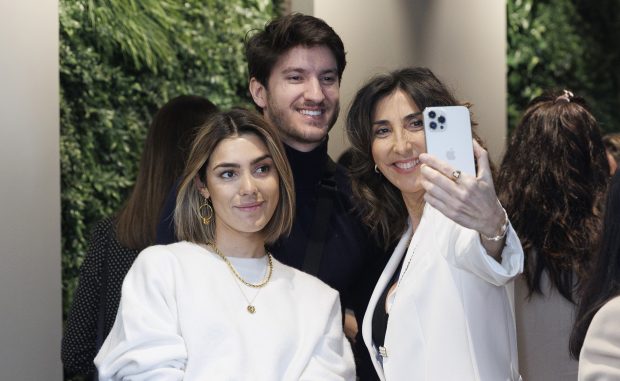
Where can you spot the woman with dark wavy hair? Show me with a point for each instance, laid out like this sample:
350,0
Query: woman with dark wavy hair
552,182
595,339
441,309
116,240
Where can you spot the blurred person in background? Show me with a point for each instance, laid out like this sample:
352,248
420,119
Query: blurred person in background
612,148
552,182
116,240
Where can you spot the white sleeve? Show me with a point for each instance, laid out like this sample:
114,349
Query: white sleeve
600,355
145,341
332,358
472,256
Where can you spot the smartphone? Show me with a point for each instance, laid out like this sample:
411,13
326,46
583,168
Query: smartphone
447,131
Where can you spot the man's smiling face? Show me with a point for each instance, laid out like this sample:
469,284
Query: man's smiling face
302,98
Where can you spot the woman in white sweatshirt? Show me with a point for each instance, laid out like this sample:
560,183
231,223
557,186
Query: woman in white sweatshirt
217,305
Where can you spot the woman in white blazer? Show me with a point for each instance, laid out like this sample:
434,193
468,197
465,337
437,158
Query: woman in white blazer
596,334
441,309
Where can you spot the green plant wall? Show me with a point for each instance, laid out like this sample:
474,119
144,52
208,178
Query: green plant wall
570,44
119,61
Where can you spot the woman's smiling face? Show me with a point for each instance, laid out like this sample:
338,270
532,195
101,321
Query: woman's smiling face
398,141
243,184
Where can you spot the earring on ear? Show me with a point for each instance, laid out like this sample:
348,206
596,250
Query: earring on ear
377,169
206,219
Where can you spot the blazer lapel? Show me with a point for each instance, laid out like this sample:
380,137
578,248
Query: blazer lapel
382,283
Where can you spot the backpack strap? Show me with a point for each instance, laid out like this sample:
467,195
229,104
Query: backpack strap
324,207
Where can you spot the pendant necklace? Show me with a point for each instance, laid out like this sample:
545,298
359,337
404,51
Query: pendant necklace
269,270
250,308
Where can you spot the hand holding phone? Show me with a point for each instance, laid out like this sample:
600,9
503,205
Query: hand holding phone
447,131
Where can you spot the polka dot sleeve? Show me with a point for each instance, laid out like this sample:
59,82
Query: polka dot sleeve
79,343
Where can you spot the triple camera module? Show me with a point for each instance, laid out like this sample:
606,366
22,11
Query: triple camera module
436,122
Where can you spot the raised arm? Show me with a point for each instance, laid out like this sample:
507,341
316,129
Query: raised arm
471,202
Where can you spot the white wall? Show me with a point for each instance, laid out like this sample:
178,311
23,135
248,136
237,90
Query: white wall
463,42
30,286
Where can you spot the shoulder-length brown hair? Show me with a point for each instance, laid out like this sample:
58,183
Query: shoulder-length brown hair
552,182
222,125
381,203
163,159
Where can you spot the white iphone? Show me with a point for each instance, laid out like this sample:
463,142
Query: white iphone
447,130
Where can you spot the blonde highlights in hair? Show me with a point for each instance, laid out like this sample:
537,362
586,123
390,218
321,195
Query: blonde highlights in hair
227,124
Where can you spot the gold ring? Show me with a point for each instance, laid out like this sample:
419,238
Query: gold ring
456,174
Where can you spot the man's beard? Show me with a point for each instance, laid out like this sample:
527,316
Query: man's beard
286,128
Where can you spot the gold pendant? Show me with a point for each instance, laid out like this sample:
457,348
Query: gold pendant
251,309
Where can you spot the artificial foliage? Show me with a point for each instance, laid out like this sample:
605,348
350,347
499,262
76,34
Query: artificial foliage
120,60
565,44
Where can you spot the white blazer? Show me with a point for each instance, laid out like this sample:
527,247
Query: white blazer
452,315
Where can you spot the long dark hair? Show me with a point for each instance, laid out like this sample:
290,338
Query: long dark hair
552,182
604,283
380,202
163,158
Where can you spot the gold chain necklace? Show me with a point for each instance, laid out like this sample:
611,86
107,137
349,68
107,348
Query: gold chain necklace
260,284
250,308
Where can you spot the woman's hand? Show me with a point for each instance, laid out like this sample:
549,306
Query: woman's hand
467,200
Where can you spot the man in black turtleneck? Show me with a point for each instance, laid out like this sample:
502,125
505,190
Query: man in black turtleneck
295,66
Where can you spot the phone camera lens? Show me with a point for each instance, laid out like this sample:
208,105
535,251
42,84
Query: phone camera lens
442,119
432,114
441,127
433,125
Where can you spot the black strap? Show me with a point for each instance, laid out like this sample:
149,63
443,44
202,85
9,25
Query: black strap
325,203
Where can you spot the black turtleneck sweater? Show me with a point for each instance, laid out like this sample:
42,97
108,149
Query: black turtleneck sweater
347,244
351,262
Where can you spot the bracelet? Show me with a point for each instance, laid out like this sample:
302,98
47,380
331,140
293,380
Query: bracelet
502,230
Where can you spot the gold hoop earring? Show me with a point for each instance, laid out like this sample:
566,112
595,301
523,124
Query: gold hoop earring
209,215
